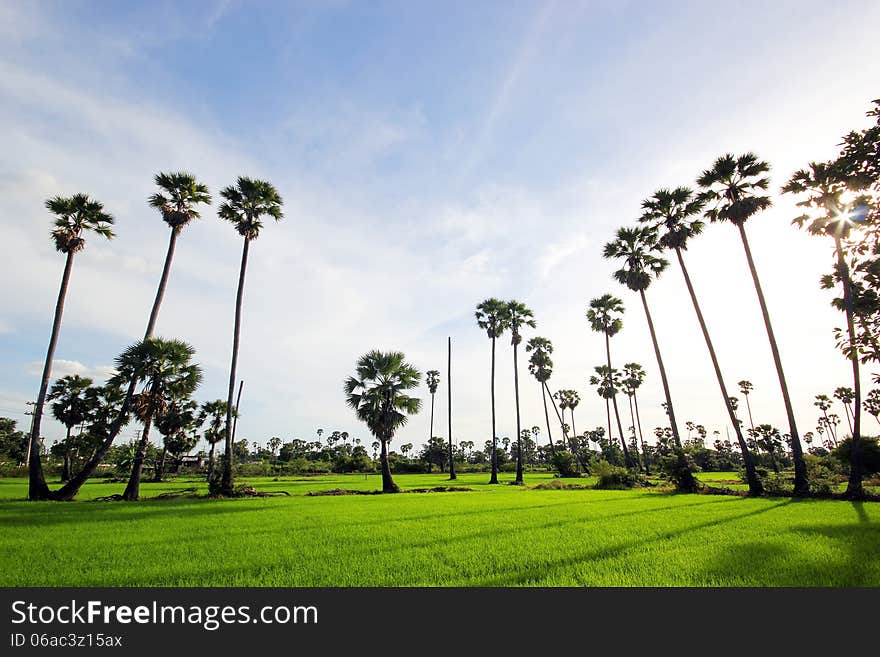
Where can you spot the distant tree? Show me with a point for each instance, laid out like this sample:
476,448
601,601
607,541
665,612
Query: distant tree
872,403
541,367
13,443
71,406
634,376
432,378
517,315
491,316
177,425
768,439
746,387
212,412
846,396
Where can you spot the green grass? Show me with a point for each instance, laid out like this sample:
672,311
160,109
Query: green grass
494,536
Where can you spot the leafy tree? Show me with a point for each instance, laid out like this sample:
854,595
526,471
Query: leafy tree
434,452
176,424
377,393
491,316
245,205
823,402
541,367
71,406
214,413
635,246
75,217
675,216
168,373
733,190
13,443
768,439
872,403
604,317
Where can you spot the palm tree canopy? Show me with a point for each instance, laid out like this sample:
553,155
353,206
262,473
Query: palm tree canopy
540,363
377,392
214,412
606,380
166,369
634,376
491,316
180,195
71,399
745,387
247,202
432,378
74,216
673,214
732,188
603,315
518,315
635,247
181,417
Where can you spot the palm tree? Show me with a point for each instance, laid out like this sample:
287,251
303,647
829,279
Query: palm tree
176,424
70,406
823,402
75,216
432,378
573,400
213,412
491,316
836,219
247,202
168,373
378,396
517,315
732,190
845,396
451,445
640,267
177,202
604,317
607,382
541,367
673,214
872,403
561,397
746,387
634,377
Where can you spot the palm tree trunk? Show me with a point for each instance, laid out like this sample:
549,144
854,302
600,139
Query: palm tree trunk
846,413
558,416
452,475
574,431
608,417
160,466
755,487
211,461
801,486
632,416
431,429
641,435
626,454
854,489
494,478
669,408
226,485
388,485
37,488
547,418
519,459
749,407
163,283
132,489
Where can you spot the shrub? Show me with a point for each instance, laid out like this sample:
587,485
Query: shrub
679,469
564,463
821,475
615,477
870,450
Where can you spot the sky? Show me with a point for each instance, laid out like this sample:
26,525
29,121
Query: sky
430,155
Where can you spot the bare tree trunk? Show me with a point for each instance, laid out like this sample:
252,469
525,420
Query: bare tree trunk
854,489
452,475
670,411
133,488
494,478
801,486
227,483
547,418
755,487
626,454
632,417
37,488
641,436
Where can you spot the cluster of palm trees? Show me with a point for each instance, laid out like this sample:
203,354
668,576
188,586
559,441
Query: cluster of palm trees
165,367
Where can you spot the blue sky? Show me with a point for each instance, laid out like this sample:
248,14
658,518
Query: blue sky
430,155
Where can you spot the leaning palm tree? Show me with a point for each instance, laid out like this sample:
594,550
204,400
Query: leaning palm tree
845,396
166,369
377,393
635,246
491,316
180,194
746,387
247,202
70,406
75,217
517,315
214,413
836,218
732,190
675,215
634,376
604,317
541,367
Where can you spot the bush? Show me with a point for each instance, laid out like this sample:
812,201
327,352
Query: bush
615,477
821,475
870,450
679,469
564,463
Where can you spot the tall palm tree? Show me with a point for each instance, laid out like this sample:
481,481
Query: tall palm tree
837,219
70,406
604,317
732,190
214,413
845,396
377,393
75,217
178,199
746,387
635,246
517,315
176,424
245,205
168,373
491,316
675,215
432,378
561,397
450,444
541,367
823,402
607,381
634,376
573,400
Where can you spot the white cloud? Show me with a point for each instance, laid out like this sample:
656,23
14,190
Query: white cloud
61,368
